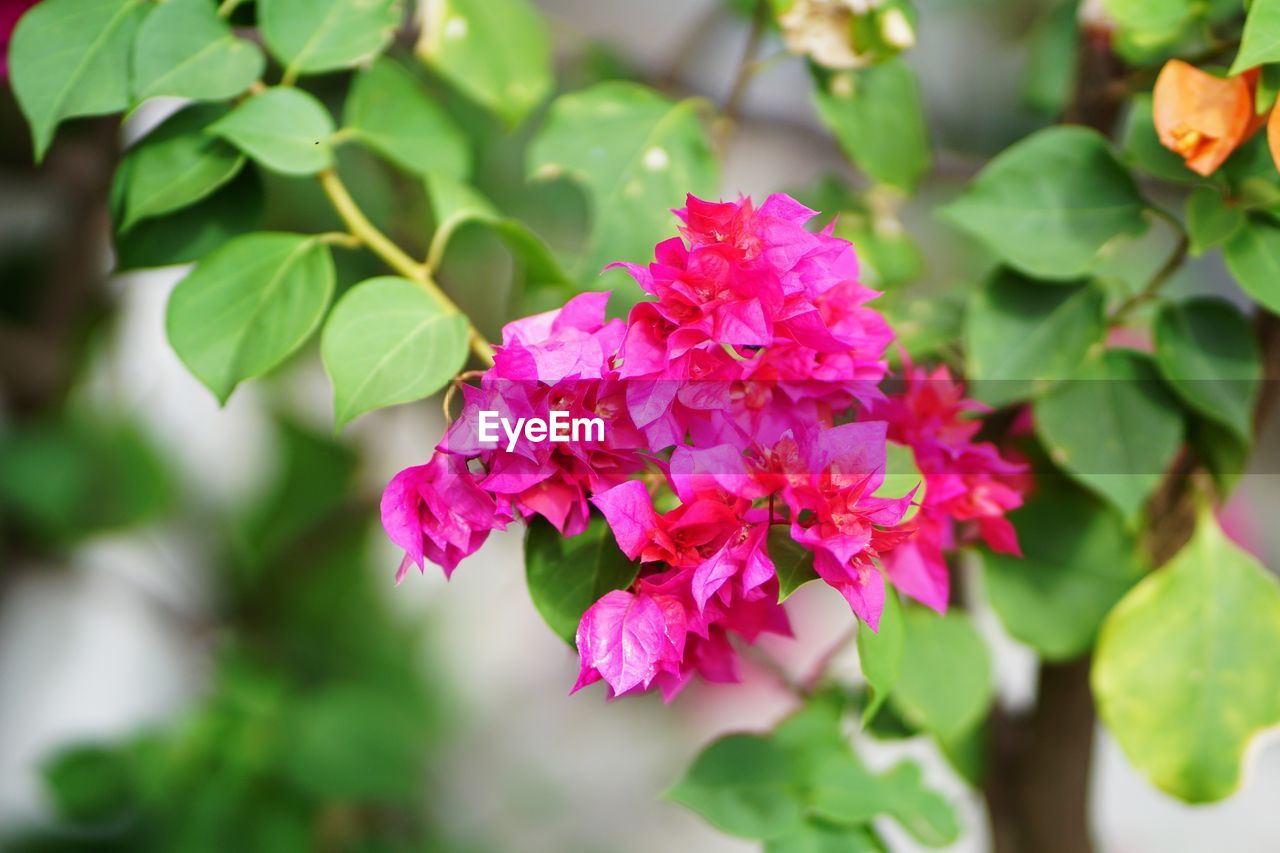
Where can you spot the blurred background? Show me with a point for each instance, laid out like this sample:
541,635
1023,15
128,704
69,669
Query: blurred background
201,646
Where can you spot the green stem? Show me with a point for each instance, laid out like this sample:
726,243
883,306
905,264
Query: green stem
1161,276
227,7
368,234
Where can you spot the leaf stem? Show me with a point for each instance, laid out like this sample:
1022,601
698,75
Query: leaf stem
227,7
1161,276
341,238
368,234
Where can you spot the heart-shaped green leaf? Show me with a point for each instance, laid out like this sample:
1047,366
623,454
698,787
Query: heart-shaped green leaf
390,111
743,785
310,36
944,685
496,52
70,58
1113,426
1260,41
1020,333
1210,220
1253,256
1078,559
248,305
175,165
388,341
1187,666
845,792
636,154
1049,203
193,232
283,129
185,50
877,117
1206,349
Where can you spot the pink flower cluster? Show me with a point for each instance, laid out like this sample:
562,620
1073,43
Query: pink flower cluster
743,400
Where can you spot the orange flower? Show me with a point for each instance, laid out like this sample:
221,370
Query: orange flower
1203,118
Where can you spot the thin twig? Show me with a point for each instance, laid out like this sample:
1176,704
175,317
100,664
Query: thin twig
382,246
1158,280
747,67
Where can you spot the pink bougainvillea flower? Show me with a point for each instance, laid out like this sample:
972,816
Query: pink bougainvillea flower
742,399
627,638
828,481
965,481
438,511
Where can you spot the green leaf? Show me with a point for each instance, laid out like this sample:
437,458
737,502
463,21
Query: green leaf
1253,257
310,36
1021,334
1113,427
878,119
1051,59
818,836
636,154
1260,41
945,683
70,58
455,205
352,742
496,52
1078,560
813,731
1048,204
175,165
71,478
880,655
283,129
389,110
248,305
1210,220
1206,349
1142,148
743,785
793,563
1187,666
193,232
1267,89
568,574
185,50
1149,23
845,792
91,784
386,342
